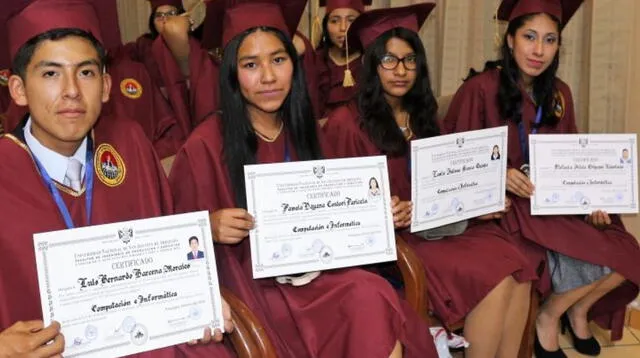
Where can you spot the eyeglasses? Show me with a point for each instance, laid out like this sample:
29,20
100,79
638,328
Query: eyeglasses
160,14
390,62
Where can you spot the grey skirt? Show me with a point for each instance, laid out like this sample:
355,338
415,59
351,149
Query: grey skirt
568,273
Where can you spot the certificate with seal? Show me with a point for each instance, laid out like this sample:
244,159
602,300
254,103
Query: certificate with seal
457,176
319,215
130,287
581,173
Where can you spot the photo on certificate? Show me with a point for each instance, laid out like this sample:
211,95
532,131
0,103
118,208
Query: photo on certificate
457,177
130,287
319,215
581,173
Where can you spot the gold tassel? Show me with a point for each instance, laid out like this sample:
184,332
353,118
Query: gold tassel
348,80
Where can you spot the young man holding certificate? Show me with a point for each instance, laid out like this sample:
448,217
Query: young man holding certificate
66,165
593,266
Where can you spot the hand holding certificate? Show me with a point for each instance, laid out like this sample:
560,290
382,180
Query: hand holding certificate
130,287
457,176
319,215
582,173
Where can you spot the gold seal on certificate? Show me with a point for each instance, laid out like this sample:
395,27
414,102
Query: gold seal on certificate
319,215
130,287
582,173
457,176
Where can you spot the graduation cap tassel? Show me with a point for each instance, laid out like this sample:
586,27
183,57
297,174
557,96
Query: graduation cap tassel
348,80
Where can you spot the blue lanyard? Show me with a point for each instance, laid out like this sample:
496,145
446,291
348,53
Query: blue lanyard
524,143
287,156
88,175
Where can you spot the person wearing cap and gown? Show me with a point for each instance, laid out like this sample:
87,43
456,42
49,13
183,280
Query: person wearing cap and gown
338,66
164,51
473,272
593,268
67,164
133,94
265,117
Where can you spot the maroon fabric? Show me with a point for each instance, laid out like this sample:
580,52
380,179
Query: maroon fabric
338,314
156,3
94,16
330,76
562,10
29,208
474,107
357,5
461,270
309,65
150,109
195,99
371,24
140,51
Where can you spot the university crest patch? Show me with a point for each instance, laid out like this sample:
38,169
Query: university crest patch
131,88
109,166
4,77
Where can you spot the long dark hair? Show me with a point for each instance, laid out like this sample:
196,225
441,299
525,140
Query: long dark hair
239,137
377,115
325,41
509,95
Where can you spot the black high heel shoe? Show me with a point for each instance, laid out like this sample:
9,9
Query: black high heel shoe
589,346
540,352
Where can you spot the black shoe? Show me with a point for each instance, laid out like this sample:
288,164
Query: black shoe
589,346
540,352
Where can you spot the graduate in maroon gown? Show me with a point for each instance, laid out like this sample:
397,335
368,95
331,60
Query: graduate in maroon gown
589,257
132,95
66,165
474,273
265,117
338,70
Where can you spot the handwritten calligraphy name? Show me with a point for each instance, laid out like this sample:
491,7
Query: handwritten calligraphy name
103,279
587,166
457,170
307,206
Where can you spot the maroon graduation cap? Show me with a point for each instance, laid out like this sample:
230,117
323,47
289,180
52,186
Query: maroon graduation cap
562,10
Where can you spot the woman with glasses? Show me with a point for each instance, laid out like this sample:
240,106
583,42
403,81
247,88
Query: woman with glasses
473,272
588,257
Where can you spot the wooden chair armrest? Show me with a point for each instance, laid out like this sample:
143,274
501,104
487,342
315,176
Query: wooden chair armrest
415,281
249,337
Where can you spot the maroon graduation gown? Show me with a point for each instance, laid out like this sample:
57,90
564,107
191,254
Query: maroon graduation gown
330,77
474,107
195,97
310,66
461,270
134,96
339,314
29,208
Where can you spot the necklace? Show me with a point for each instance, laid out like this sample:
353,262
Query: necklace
406,130
272,139
339,62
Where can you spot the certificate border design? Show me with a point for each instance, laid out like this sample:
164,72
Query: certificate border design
501,135
381,166
572,139
45,245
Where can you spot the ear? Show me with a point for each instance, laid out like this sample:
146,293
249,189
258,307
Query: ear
510,42
106,87
17,90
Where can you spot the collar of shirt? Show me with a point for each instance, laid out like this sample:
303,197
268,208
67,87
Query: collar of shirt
54,163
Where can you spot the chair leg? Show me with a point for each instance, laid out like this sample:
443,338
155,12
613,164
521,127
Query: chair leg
526,345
